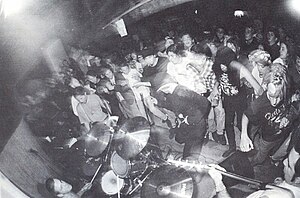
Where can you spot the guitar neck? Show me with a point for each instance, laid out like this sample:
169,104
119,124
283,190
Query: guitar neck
228,174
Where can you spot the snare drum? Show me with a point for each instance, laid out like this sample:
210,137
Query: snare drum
111,184
127,168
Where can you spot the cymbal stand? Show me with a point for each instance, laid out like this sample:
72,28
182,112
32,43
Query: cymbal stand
105,158
141,180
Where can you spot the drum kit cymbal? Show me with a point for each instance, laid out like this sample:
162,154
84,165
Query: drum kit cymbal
136,135
132,167
97,139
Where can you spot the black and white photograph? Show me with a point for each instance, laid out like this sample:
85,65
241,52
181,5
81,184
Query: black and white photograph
150,98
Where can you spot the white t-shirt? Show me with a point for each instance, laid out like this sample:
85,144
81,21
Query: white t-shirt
179,72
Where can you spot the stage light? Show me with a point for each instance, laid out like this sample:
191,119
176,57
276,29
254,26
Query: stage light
295,5
11,7
239,13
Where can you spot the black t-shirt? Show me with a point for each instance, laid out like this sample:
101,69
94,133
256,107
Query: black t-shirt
263,114
273,50
246,48
161,66
229,80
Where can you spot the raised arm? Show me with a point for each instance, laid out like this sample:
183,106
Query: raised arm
245,73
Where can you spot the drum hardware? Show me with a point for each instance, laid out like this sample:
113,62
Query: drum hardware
140,180
168,181
134,137
111,134
97,139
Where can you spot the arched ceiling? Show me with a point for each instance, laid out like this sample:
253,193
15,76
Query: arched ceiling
102,13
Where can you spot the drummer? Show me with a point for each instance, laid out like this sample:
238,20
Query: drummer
90,108
61,188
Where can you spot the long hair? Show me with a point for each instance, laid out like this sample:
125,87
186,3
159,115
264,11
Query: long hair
224,56
291,52
277,76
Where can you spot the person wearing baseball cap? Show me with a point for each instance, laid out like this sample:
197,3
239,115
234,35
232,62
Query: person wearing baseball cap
152,63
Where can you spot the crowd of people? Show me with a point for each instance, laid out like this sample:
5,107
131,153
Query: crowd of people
191,86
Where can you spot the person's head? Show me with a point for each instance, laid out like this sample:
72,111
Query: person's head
288,52
124,68
291,164
262,60
202,48
107,84
149,60
249,33
220,66
220,33
234,44
187,41
134,56
148,57
282,33
96,61
283,51
101,89
106,73
276,82
213,48
58,187
175,52
168,41
92,76
272,35
80,94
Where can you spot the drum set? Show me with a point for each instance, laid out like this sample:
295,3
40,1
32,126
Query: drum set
131,165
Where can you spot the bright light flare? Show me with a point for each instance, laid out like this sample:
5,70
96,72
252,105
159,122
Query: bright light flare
11,7
294,5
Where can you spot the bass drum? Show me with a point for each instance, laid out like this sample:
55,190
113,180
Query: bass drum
127,168
111,184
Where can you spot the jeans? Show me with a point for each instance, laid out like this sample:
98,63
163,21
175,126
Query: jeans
216,119
233,105
263,149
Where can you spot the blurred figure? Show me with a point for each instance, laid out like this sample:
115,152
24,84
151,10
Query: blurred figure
60,188
267,112
89,108
191,110
229,72
249,42
273,45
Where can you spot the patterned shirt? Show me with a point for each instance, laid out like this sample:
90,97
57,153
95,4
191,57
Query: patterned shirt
202,76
